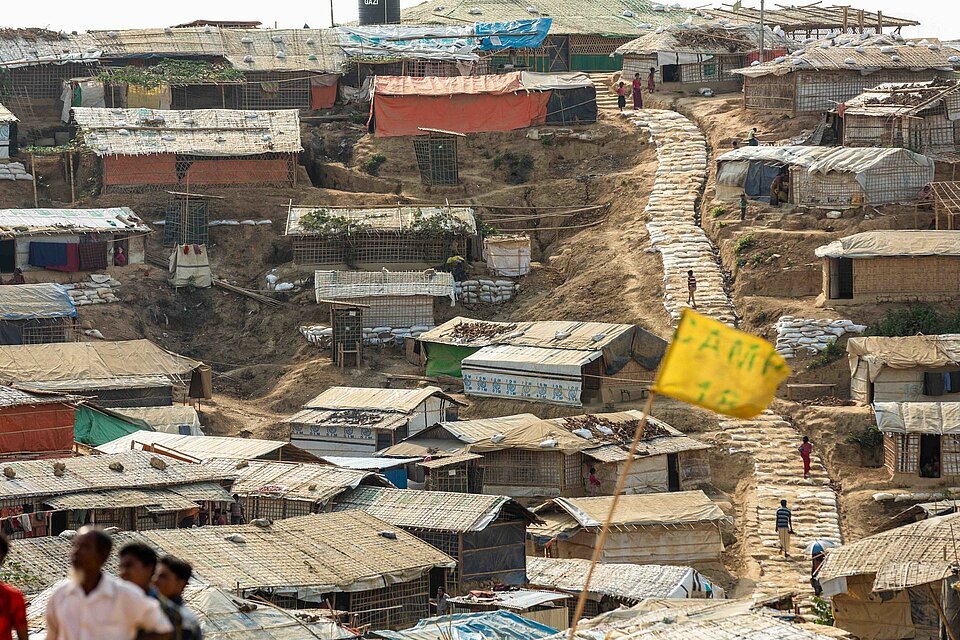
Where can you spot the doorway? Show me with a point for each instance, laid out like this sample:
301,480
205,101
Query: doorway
670,73
673,472
929,455
8,256
841,278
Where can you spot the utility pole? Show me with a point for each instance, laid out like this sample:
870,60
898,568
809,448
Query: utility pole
332,23
761,32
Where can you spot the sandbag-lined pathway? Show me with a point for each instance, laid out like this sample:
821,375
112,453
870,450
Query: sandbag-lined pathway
672,206
778,470
770,440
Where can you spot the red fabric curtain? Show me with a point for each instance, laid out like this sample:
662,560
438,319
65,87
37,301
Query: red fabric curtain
403,115
36,429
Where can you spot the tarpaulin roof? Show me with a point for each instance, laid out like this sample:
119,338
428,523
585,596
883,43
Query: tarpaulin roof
78,360
907,352
679,507
707,40
375,399
531,359
861,54
166,419
631,582
486,625
513,600
14,222
204,132
900,243
6,115
10,397
440,42
593,17
825,159
28,301
918,417
206,447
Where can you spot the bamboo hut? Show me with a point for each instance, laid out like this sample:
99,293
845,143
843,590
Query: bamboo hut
688,57
133,491
920,439
131,373
69,240
199,448
675,528
891,266
484,534
37,313
896,584
377,236
546,607
905,369
569,363
921,116
618,585
278,490
946,204
395,299
524,456
358,421
824,176
35,425
145,149
831,71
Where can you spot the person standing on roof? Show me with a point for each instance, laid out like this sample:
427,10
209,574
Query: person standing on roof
805,449
13,608
651,85
784,527
691,289
637,87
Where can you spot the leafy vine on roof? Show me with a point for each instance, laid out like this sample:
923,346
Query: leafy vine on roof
327,223
173,72
437,223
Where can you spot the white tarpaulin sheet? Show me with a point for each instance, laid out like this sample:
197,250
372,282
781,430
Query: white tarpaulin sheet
507,256
875,244
918,417
190,266
533,81
825,159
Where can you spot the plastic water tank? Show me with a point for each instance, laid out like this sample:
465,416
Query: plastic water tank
379,11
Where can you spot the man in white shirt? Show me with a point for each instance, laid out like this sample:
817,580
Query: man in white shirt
92,605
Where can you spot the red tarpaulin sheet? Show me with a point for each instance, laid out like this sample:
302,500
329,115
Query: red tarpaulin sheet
149,169
323,91
447,86
404,115
239,171
44,428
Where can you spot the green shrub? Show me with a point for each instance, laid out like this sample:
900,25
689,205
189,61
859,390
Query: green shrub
718,211
823,613
832,353
372,164
744,243
869,438
914,319
518,166
359,117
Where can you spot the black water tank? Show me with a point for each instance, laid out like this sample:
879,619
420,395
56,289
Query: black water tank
379,11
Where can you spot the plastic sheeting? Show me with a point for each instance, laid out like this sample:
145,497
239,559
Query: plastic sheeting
489,625
918,417
826,159
31,301
874,244
496,84
190,266
644,509
36,429
908,352
507,255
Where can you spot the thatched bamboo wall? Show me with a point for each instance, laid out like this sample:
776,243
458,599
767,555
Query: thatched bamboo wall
914,279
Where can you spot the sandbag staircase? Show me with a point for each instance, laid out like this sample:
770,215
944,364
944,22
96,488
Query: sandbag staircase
606,97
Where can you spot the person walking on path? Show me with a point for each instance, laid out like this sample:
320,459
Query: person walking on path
743,207
784,527
92,605
637,86
805,449
13,607
819,555
651,85
691,289
621,97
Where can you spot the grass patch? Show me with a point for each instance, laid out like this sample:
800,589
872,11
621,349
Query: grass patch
372,164
831,354
744,243
718,211
914,319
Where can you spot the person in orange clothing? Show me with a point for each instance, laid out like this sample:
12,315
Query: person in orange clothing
13,607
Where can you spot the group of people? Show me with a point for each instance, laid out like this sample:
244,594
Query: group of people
144,603
784,521
637,88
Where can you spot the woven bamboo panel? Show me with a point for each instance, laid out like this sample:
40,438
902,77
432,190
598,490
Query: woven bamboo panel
769,92
918,278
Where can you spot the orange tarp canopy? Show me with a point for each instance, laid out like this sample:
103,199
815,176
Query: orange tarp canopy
447,86
46,428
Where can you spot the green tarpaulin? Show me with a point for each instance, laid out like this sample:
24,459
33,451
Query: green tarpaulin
445,359
94,428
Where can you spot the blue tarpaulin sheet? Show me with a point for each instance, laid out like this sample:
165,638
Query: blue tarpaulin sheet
516,34
30,301
489,625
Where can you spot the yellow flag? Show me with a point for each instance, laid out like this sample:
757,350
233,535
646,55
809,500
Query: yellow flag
720,368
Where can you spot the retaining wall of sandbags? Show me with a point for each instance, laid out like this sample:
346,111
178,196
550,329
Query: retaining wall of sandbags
483,291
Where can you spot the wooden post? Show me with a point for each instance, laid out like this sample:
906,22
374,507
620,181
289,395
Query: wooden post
33,169
845,22
880,26
941,614
73,191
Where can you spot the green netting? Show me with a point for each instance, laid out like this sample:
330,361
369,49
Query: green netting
445,359
94,428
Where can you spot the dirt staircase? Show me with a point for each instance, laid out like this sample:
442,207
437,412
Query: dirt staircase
606,97
772,443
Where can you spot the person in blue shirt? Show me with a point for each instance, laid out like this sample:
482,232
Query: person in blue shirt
170,579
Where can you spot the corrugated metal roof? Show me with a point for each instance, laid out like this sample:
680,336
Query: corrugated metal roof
28,301
202,132
399,400
893,244
853,53
154,500
631,582
593,17
10,397
553,334
825,159
206,447
710,39
6,115
338,285
487,625
37,478
514,600
383,219
315,483
15,222
432,510
93,384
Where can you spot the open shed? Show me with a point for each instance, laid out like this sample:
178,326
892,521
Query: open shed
374,237
395,299
674,528
891,266
905,369
69,240
358,421
824,176
37,313
143,149
920,439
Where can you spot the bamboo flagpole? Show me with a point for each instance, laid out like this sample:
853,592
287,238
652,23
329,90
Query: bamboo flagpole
605,531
